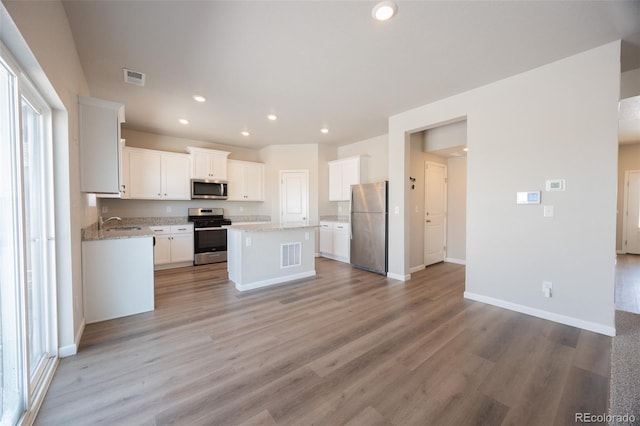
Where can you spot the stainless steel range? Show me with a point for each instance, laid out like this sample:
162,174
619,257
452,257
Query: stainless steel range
210,238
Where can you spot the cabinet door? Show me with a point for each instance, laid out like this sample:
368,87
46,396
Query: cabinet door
341,240
162,250
175,177
144,174
182,247
326,238
201,165
124,171
99,127
254,182
218,166
236,175
350,176
335,181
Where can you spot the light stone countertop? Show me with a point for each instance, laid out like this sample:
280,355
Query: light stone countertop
269,227
110,231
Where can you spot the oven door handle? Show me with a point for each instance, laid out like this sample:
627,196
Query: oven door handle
213,228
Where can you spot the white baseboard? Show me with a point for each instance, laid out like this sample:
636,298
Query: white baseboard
398,276
71,350
458,261
416,269
562,319
278,280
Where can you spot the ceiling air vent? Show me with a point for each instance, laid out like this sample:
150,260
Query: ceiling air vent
133,77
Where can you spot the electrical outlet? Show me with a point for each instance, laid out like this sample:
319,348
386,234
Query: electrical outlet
547,286
339,209
248,241
306,236
241,209
105,209
168,209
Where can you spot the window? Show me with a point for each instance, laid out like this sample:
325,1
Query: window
28,348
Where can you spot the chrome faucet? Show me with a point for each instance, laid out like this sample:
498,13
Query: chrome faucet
102,222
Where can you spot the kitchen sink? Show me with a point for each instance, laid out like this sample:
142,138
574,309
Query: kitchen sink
125,228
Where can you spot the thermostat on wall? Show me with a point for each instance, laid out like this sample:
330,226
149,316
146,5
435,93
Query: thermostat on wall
555,185
529,197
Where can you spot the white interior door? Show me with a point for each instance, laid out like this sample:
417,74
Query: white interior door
294,196
632,212
435,191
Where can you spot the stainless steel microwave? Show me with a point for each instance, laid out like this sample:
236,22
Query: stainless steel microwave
208,189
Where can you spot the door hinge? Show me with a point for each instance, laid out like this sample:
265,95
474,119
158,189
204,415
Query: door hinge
445,180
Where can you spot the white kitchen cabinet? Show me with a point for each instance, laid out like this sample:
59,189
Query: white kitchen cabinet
335,240
158,175
100,159
174,245
117,276
326,237
246,181
208,163
342,174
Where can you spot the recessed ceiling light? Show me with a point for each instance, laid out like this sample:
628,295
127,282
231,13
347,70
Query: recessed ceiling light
324,130
384,10
244,133
199,98
272,117
183,121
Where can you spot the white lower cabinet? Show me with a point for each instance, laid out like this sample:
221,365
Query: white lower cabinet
335,240
174,245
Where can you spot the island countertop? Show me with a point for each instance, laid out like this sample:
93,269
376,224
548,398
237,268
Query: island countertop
266,227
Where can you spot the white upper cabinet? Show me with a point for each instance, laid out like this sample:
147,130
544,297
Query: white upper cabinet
158,175
100,160
342,174
246,181
208,163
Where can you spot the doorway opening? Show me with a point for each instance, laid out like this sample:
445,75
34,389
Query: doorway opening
438,196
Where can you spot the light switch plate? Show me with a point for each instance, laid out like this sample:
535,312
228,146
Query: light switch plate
548,211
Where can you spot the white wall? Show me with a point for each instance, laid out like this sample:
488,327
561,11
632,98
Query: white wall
289,157
447,136
374,150
556,121
326,153
630,84
457,209
45,28
147,140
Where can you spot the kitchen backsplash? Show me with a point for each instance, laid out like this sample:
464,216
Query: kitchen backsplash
154,208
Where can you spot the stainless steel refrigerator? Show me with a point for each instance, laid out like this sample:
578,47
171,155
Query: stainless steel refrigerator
369,219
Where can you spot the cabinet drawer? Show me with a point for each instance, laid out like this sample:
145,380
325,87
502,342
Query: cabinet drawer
182,229
160,229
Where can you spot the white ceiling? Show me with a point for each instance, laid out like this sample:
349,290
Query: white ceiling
321,63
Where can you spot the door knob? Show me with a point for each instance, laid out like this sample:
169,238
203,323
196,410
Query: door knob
428,221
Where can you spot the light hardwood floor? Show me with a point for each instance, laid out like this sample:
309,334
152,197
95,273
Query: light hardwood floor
346,347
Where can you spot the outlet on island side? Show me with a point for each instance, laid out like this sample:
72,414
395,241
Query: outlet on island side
547,286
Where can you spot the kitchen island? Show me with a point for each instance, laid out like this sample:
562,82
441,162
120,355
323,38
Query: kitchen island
260,255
